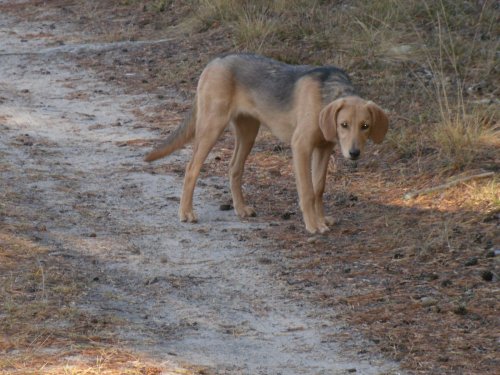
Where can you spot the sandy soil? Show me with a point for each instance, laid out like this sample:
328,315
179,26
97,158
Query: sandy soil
205,294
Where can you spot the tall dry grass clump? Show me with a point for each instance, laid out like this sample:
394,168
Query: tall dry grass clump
467,129
443,59
269,27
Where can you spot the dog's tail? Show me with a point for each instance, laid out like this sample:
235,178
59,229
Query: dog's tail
178,138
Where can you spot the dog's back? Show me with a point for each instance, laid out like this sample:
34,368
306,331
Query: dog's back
275,81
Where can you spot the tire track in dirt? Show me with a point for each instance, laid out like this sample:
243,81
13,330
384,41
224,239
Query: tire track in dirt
196,294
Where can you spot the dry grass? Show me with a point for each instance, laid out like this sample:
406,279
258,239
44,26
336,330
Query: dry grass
466,131
463,138
394,269
42,329
444,50
400,271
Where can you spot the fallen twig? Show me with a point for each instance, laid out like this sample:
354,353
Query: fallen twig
416,193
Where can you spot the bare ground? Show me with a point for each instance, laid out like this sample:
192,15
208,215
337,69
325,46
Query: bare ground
207,295
418,278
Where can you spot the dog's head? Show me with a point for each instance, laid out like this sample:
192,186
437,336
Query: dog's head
351,121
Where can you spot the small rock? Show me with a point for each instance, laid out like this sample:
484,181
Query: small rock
312,239
135,250
435,309
402,49
275,172
433,276
154,280
460,310
93,235
225,207
487,275
446,283
428,301
495,216
490,254
264,260
471,262
477,88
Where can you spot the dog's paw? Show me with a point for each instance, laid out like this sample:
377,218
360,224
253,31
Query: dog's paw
330,220
323,228
188,217
320,228
245,211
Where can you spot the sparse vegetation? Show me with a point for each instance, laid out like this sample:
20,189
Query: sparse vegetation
39,316
443,49
393,268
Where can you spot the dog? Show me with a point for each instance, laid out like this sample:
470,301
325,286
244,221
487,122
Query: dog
311,108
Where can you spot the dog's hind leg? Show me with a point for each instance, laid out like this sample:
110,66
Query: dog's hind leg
208,130
246,129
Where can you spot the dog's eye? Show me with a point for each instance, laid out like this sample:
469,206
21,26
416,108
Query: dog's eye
344,125
364,126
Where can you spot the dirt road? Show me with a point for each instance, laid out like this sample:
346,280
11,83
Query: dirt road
205,294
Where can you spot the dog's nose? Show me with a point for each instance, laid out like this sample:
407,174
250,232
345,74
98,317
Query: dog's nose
354,153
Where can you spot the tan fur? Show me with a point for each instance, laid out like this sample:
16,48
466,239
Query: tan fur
178,138
311,128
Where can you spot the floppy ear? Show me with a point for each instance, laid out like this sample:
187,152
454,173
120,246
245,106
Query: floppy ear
380,122
328,119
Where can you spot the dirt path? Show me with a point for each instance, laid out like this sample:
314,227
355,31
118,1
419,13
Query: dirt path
203,294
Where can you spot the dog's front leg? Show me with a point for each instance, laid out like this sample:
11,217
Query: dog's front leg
320,159
302,157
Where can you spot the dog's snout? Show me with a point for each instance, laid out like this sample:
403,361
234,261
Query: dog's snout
354,153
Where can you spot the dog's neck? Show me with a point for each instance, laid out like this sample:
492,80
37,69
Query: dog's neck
331,90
